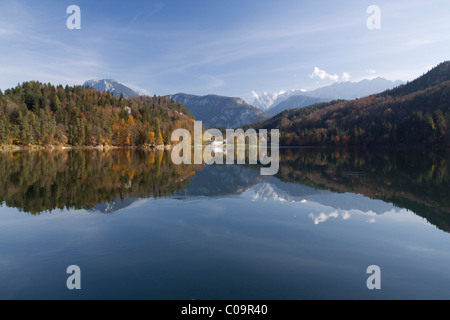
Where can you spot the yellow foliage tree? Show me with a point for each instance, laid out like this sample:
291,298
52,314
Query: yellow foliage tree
151,137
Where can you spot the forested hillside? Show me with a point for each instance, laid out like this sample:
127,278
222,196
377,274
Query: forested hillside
417,113
41,114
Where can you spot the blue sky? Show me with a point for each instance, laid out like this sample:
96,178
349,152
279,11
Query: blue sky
222,47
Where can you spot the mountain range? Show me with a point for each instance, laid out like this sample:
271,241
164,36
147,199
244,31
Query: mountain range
219,111
215,111
354,90
266,101
417,113
294,99
295,102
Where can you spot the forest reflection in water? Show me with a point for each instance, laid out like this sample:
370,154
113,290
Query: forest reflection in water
36,182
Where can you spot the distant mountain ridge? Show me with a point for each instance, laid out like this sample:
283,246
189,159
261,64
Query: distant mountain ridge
414,114
295,102
114,87
275,103
354,90
219,111
214,110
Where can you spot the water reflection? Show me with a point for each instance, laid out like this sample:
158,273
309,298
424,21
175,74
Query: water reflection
224,232
416,180
106,181
43,181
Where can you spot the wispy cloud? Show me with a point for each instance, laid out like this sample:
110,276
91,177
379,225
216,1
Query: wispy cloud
6,32
156,8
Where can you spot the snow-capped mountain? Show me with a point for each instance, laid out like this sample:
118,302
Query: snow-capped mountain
342,90
114,87
266,101
263,101
286,95
114,206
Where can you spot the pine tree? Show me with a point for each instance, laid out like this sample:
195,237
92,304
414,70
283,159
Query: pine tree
4,130
55,103
26,128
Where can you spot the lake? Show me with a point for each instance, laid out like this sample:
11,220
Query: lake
140,227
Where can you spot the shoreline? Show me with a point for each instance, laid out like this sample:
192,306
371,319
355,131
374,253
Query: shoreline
10,148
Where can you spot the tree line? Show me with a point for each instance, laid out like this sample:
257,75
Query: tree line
40,114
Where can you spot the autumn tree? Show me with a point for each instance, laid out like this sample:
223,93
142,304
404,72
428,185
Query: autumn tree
42,114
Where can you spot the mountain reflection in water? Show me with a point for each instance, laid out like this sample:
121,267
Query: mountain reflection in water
107,181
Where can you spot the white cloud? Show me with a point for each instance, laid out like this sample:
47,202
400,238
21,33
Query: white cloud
322,74
323,217
346,76
371,220
346,215
371,71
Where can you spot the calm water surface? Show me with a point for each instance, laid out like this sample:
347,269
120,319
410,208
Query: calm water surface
141,228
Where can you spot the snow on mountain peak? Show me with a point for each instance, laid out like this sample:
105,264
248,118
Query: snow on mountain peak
340,90
265,101
116,88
